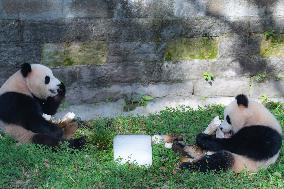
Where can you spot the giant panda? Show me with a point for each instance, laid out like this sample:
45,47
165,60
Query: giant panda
255,142
24,97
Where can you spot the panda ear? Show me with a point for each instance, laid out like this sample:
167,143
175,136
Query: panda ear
242,100
26,69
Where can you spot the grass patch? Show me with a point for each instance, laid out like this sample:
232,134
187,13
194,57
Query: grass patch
31,166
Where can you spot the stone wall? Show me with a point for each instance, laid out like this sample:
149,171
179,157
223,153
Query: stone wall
108,50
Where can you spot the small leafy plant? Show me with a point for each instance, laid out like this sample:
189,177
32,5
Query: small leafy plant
264,99
131,104
209,77
271,34
145,99
260,77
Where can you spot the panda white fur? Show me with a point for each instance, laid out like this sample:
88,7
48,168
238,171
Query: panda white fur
24,97
255,143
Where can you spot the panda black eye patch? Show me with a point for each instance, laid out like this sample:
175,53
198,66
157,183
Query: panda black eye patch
47,80
228,119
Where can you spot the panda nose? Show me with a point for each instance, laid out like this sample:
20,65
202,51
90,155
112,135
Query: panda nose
61,90
221,128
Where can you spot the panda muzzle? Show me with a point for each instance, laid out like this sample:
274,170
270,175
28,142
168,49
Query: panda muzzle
61,90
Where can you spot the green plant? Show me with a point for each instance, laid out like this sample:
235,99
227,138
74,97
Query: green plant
142,100
264,99
168,56
204,98
208,76
145,99
260,77
270,34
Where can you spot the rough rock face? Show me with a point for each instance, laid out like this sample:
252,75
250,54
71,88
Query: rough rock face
115,50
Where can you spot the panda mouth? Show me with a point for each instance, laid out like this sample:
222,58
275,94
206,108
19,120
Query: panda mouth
52,91
228,134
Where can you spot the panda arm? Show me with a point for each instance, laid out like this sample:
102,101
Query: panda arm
25,111
257,142
210,143
38,124
51,105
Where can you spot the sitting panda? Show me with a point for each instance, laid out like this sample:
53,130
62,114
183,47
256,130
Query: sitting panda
255,142
24,97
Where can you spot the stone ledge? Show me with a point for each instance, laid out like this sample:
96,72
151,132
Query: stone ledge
269,88
124,30
57,9
231,10
222,87
10,31
66,30
108,74
16,54
125,71
114,109
31,9
53,9
86,94
227,67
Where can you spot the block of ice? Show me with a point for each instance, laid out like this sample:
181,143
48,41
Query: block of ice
133,148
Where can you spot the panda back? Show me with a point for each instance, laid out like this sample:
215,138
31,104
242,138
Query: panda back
257,142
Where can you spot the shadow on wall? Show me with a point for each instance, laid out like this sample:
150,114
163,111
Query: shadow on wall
247,43
119,26
249,62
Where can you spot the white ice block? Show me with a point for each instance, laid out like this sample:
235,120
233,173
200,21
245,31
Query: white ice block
133,149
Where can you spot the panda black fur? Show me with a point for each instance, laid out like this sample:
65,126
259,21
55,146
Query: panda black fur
24,97
255,143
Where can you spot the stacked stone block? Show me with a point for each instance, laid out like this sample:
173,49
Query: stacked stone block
105,50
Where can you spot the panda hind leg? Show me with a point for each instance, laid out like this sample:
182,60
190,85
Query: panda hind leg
46,140
22,135
51,141
219,161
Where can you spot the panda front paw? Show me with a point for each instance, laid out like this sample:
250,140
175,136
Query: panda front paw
202,138
77,143
207,142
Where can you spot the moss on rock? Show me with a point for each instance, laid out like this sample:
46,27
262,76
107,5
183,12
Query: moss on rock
69,54
272,46
191,48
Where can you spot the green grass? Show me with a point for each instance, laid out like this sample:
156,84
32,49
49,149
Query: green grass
30,166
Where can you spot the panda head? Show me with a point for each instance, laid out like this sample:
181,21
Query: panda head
41,81
236,115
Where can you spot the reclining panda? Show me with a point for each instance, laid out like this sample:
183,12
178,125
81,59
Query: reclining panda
24,97
255,144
